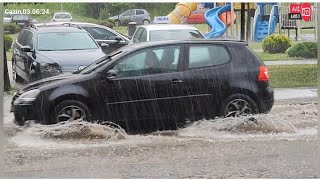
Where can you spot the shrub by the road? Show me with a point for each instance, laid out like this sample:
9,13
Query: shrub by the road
304,50
12,28
276,43
7,42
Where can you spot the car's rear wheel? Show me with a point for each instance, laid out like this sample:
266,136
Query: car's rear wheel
238,105
71,110
146,22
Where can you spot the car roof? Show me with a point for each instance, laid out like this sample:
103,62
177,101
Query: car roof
153,27
61,13
42,28
146,44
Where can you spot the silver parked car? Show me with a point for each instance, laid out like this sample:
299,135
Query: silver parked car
158,32
140,16
62,17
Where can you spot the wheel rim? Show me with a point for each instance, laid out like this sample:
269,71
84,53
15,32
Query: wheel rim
237,107
145,22
71,113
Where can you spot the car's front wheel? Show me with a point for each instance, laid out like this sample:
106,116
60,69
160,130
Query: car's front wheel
238,105
71,110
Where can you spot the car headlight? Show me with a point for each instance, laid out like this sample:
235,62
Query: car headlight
52,68
28,96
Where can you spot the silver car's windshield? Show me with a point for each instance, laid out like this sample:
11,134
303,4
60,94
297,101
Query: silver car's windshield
63,41
158,35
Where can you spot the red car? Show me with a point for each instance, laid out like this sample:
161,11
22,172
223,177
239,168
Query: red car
197,16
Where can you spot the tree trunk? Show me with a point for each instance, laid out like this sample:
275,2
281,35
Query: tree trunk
7,86
248,22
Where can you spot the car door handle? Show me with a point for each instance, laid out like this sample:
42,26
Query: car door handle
176,81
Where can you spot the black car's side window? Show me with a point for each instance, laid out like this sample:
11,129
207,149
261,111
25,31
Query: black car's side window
100,33
20,37
27,39
207,55
149,61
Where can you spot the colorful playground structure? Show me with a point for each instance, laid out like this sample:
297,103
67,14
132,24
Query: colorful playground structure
265,21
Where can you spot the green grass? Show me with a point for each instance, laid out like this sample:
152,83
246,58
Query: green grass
275,57
121,29
288,76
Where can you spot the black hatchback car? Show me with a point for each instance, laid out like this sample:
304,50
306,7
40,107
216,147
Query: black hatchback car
153,84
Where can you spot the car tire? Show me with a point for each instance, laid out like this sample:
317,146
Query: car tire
238,104
145,22
70,110
16,78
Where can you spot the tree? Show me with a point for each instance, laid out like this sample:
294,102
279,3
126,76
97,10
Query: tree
7,85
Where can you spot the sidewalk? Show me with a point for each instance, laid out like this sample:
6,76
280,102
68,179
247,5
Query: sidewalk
291,62
294,93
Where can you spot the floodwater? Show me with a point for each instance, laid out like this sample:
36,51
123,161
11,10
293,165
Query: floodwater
285,121
281,144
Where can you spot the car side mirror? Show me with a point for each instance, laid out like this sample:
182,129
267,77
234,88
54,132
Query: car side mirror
25,48
111,74
118,38
104,45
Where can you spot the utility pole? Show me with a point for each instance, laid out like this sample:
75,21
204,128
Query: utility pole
242,23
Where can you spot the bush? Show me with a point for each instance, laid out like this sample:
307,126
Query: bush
304,50
276,44
12,28
7,42
109,23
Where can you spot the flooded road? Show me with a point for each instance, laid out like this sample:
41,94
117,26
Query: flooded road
281,144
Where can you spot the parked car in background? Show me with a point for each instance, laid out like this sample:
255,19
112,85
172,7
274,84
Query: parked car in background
62,17
197,16
7,18
21,19
140,16
154,85
42,51
158,32
108,39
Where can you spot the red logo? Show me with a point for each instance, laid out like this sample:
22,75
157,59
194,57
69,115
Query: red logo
306,11
295,8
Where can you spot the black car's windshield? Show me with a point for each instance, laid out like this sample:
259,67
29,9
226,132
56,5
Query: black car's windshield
63,41
99,63
158,35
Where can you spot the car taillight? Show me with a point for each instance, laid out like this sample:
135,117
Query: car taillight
263,74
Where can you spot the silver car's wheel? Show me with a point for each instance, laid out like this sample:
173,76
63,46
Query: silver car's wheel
71,110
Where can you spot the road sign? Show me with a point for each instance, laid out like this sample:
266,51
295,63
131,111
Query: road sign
295,16
306,11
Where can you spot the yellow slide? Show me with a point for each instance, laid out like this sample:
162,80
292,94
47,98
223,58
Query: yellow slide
181,12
